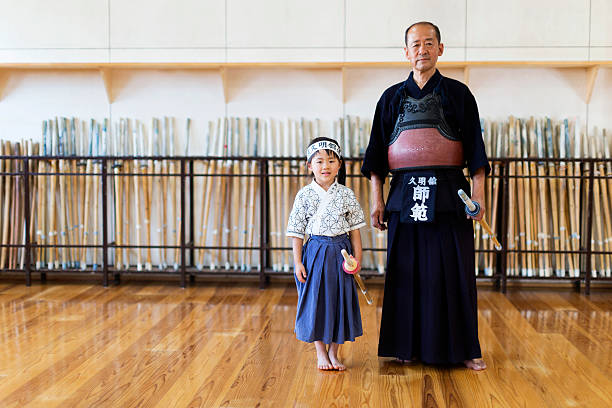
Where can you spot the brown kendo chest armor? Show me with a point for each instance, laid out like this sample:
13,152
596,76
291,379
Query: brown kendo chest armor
422,137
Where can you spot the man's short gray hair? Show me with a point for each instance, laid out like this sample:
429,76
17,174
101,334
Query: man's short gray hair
435,27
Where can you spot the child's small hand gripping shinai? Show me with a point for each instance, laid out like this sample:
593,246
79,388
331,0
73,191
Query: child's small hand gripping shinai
351,266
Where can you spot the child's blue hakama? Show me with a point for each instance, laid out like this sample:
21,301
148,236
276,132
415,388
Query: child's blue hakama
328,306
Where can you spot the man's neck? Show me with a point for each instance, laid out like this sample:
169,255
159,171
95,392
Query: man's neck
421,77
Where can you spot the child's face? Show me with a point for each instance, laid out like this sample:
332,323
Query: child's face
325,167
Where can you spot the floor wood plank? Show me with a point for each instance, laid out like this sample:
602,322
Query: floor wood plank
222,345
532,353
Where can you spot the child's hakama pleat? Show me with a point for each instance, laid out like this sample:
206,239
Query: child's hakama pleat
328,305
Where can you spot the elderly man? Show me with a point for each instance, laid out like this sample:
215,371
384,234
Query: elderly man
425,131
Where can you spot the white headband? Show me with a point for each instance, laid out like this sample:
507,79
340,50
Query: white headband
322,145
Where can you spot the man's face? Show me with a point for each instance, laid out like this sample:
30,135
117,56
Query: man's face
423,49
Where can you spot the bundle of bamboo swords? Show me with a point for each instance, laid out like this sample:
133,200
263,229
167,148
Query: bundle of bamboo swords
144,195
67,213
12,223
544,200
144,192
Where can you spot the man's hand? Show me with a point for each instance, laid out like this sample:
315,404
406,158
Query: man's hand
478,192
378,203
300,272
378,212
481,213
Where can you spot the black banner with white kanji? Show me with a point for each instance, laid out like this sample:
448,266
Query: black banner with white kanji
419,198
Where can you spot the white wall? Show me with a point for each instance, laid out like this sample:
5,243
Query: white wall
290,30
284,31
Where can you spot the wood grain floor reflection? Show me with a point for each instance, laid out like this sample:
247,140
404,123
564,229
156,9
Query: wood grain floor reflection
156,345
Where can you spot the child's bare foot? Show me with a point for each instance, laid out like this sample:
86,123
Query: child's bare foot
476,364
333,357
323,362
337,364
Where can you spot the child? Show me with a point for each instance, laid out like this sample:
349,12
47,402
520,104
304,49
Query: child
326,210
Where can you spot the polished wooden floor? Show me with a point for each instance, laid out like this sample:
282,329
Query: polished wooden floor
77,345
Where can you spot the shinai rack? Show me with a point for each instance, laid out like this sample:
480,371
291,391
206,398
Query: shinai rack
187,243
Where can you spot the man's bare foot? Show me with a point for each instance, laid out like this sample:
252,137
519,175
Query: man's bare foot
476,364
333,357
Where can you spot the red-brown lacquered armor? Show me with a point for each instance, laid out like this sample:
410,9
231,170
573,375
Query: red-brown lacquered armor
424,147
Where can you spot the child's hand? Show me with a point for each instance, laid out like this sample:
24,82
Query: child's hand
300,272
358,269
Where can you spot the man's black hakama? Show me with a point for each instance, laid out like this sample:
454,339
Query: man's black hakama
429,308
